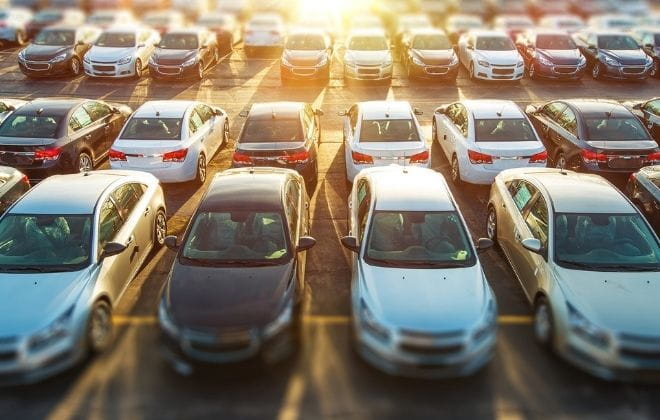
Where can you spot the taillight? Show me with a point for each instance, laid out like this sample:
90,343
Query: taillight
593,157
479,158
116,155
361,158
175,156
242,158
25,180
298,157
47,154
654,157
540,157
422,157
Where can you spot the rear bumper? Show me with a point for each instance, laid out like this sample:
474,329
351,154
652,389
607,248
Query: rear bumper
306,170
481,175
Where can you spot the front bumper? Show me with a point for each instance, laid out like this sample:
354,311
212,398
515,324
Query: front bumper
45,68
559,71
113,70
172,71
626,72
357,72
499,72
304,72
442,71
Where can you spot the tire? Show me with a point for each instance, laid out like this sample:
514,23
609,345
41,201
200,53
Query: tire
76,66
99,328
597,71
84,163
491,224
200,177
654,70
544,331
225,133
455,171
160,229
138,69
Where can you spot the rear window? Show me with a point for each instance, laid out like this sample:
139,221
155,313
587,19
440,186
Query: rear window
26,126
272,130
374,131
496,130
153,129
179,42
622,129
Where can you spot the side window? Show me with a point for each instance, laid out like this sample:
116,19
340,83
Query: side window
363,208
293,201
126,197
553,110
80,119
205,112
309,120
523,195
97,110
537,221
568,120
195,122
110,223
512,186
461,119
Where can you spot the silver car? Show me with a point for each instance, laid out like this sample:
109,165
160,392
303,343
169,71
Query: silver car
589,264
68,250
421,303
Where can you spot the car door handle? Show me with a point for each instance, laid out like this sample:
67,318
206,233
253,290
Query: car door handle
444,137
147,211
130,240
516,234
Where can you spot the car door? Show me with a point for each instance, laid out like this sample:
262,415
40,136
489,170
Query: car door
294,216
197,135
532,266
651,112
115,270
83,135
105,130
210,131
138,217
520,194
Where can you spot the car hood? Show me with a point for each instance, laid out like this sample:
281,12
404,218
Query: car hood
629,57
506,58
367,58
218,297
109,53
169,56
434,57
646,146
36,300
566,57
425,299
45,52
623,302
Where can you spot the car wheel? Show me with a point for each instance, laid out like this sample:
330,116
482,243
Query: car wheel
560,161
596,71
455,171
200,178
491,224
138,69
75,66
225,133
99,327
84,163
531,72
160,229
543,323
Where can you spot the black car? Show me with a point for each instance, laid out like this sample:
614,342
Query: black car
650,41
55,136
283,135
649,113
13,184
307,55
588,8
551,54
57,50
428,54
184,53
235,289
50,17
612,54
596,136
643,188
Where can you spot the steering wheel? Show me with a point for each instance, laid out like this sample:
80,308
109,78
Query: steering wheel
435,240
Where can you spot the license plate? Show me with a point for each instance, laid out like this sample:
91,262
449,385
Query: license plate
625,162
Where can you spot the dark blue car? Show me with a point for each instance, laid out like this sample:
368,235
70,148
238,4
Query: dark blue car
551,54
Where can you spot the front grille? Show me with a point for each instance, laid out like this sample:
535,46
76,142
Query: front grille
370,71
219,347
643,339
652,355
431,335
633,70
436,70
32,65
432,350
502,71
565,70
169,70
104,68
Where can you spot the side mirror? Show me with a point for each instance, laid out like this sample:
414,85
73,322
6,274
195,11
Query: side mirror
319,112
243,114
484,243
532,245
650,46
111,249
172,242
342,113
637,107
305,243
350,243
418,111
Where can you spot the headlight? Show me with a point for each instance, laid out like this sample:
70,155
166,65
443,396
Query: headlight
583,61
165,321
286,62
417,61
21,55
369,323
489,324
125,60
190,62
521,63
584,328
60,58
649,61
543,60
282,321
454,60
610,61
53,333
86,59
483,63
323,62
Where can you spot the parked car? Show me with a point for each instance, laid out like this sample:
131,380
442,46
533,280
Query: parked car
58,136
13,184
577,259
368,56
551,54
611,22
481,138
307,55
96,5
7,106
568,23
184,53
649,39
457,25
106,18
29,4
283,135
382,133
143,7
263,32
226,28
638,8
244,254
192,9
401,232
173,140
13,26
643,189
473,7
596,136
614,55
587,8
121,52
539,8
513,24
327,23
57,50
408,22
436,10
164,21
490,55
649,20
50,17
77,252
428,54
649,114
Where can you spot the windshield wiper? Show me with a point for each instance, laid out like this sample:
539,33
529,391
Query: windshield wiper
28,269
630,268
579,265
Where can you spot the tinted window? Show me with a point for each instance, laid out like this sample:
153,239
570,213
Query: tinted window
388,131
523,194
555,42
205,112
553,110
653,107
615,129
431,42
195,122
503,130
537,221
55,37
568,120
271,130
179,42
656,39
110,223
80,119
495,43
30,126
126,197
97,110
368,43
152,129
617,42
116,40
305,42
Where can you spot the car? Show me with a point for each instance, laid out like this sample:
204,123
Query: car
406,232
551,54
13,184
649,39
184,53
540,8
613,54
382,133
365,21
13,25
226,27
307,55
588,8
106,18
281,134
512,24
643,189
586,266
173,140
164,21
368,56
480,138
244,254
458,24
490,55
473,7
7,106
648,113
651,20
264,31
408,22
638,8
78,253
611,21
569,23
428,54
49,17
596,136
59,136
121,52
30,4
57,50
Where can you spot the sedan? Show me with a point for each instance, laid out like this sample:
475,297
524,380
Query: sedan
512,24
614,55
428,54
649,39
264,31
643,189
588,267
649,114
58,136
551,54
184,53
587,8
368,56
484,137
490,55
568,23
13,25
173,140
457,25
121,52
307,55
236,288
421,304
106,18
163,21
65,263
13,184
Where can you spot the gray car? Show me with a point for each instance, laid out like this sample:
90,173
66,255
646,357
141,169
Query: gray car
65,262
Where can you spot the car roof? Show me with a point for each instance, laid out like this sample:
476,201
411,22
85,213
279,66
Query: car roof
62,27
598,107
269,110
426,31
547,31
165,109
124,29
377,110
53,107
493,108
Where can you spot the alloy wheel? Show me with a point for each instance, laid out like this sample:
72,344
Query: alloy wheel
542,324
85,163
75,66
160,228
434,131
138,68
201,169
595,71
491,225
225,133
532,71
99,327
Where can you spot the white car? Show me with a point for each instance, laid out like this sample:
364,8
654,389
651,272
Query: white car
483,137
588,263
173,140
568,23
382,133
638,8
368,56
263,31
7,106
618,22
121,52
490,55
106,18
421,303
13,23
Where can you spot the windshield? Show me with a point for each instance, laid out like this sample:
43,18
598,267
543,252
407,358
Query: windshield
305,42
368,43
517,129
152,129
179,42
555,42
656,39
30,126
116,40
44,242
601,242
105,18
431,42
388,131
418,239
495,43
47,17
615,129
55,37
617,42
272,130
243,236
